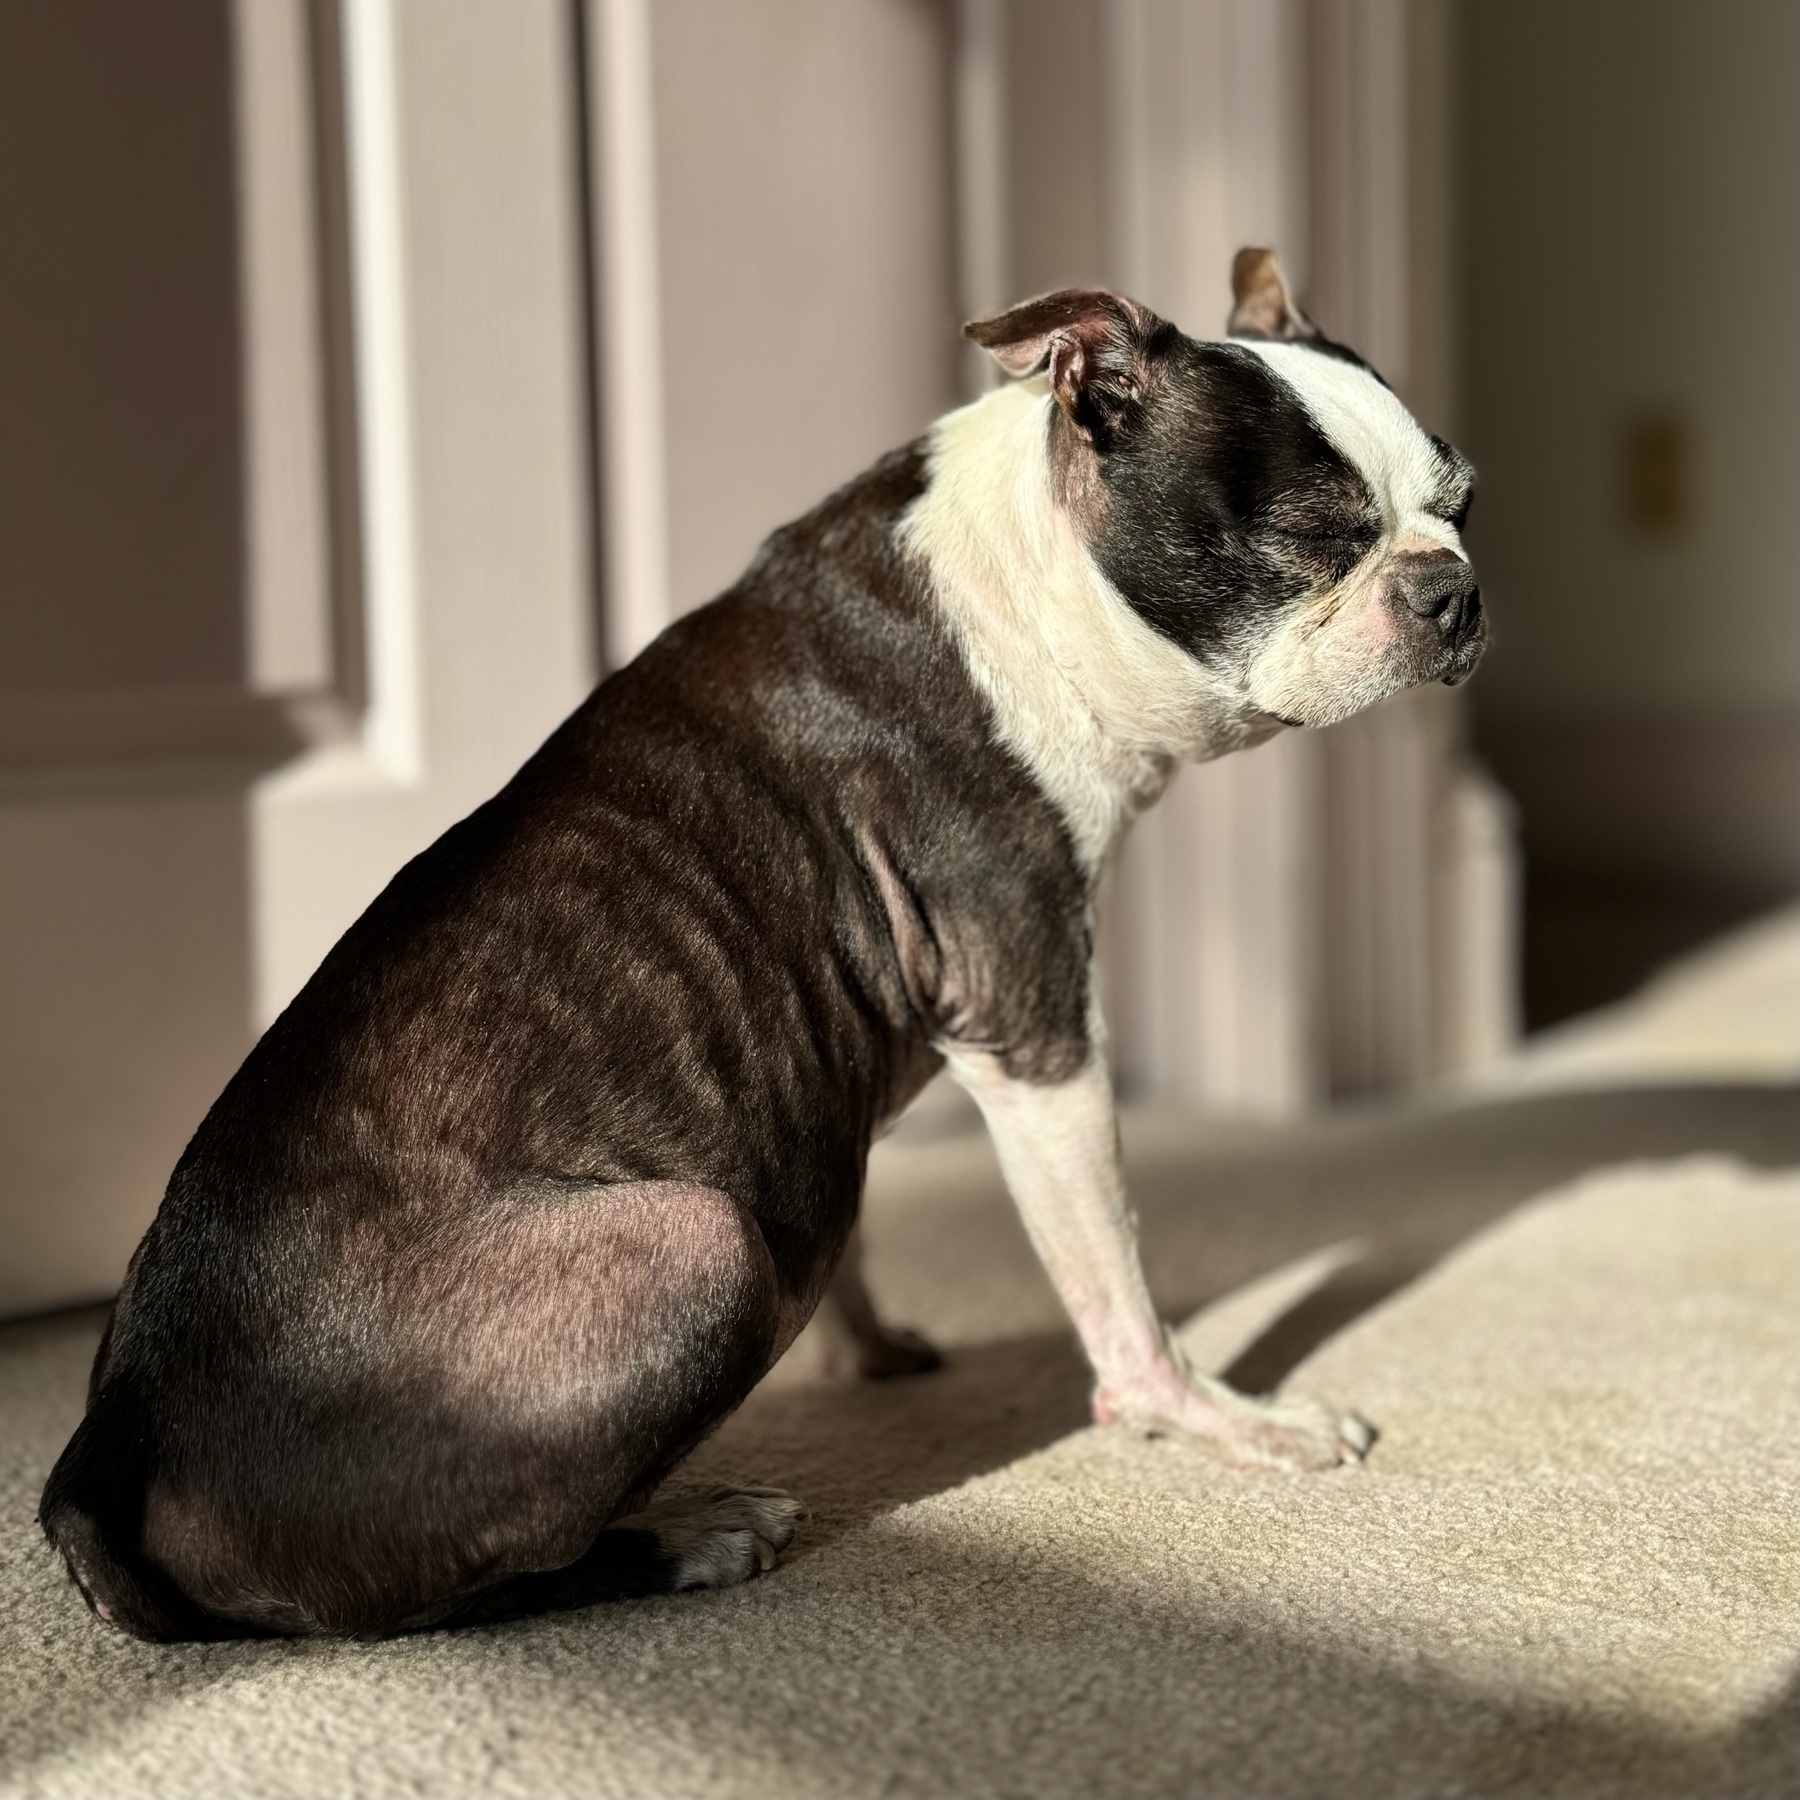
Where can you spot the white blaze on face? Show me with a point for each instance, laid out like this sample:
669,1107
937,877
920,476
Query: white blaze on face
1342,652
1376,435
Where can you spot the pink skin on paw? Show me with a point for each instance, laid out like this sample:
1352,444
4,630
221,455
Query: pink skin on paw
1288,1433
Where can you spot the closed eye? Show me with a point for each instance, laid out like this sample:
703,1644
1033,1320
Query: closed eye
1331,549
1362,535
1456,493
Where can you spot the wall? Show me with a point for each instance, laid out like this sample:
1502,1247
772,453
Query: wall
1631,280
808,318
300,452
124,955
1331,913
194,799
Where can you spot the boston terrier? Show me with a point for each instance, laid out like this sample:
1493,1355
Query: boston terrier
565,1140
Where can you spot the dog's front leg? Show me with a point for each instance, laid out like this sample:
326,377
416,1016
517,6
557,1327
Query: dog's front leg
1059,1148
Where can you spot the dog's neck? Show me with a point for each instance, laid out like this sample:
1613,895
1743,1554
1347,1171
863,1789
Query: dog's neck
1097,704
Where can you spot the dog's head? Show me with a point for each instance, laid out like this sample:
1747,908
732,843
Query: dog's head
1265,502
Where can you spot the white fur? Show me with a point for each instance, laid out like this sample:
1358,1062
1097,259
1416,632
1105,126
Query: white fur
1059,1149
1341,653
1096,704
1376,434
720,1538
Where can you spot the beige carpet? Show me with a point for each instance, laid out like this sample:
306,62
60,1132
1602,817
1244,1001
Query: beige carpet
1570,1566
1728,1012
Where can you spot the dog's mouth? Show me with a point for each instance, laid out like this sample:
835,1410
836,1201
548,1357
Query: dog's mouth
1461,664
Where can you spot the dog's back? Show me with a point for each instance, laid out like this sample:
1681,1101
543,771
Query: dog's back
558,1148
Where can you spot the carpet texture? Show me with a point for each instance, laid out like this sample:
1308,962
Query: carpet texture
1728,1012
1570,1566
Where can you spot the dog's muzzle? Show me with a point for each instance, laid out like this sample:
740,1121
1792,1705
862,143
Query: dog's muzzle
1439,592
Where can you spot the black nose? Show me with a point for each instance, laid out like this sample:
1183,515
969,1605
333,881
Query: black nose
1444,590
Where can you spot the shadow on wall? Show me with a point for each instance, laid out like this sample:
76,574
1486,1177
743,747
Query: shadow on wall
125,948
1631,177
127,737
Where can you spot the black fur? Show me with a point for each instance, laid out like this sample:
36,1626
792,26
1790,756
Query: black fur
1226,503
667,983
560,1146
1205,489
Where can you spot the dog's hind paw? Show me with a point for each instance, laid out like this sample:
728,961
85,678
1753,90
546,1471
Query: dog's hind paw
896,1351
721,1537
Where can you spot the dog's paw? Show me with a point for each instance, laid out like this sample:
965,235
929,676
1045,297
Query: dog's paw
1295,1433
721,1537
894,1352
875,1352
1292,1433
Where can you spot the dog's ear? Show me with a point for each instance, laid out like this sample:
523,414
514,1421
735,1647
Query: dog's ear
1261,304
1096,346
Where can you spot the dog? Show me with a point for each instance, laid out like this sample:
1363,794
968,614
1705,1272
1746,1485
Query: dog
565,1140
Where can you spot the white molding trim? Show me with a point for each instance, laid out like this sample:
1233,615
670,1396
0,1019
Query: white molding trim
1212,932
1386,770
296,689
391,743
287,553
1362,252
1331,913
384,750
634,461
1206,134
983,210
1421,944
471,461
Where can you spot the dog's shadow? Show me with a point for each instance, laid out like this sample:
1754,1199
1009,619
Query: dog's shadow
1412,1187
854,1449
851,1449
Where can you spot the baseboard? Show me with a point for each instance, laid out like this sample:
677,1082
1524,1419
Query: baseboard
1711,804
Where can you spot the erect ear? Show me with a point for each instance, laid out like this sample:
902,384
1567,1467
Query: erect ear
1096,346
1262,305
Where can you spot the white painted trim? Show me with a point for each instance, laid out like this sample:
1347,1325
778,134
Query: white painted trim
1125,124
1204,110
287,556
1212,925
1360,277
387,753
983,250
634,473
392,744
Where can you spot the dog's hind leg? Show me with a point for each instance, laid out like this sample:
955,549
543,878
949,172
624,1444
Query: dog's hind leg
859,1340
464,1421
716,1539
